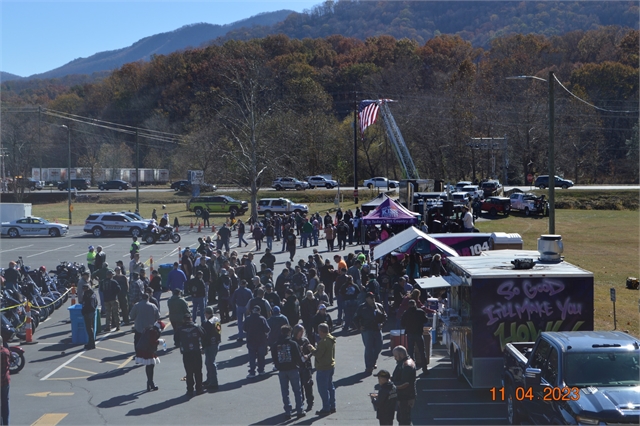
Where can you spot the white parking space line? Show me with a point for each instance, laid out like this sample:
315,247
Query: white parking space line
47,251
17,248
69,361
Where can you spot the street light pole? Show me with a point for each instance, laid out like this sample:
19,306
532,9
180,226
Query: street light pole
68,170
551,147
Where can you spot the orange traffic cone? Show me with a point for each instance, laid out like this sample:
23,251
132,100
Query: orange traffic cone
150,264
28,331
191,227
213,228
73,294
179,255
199,227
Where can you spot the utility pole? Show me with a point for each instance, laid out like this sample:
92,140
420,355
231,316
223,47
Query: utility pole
137,175
40,141
355,147
552,160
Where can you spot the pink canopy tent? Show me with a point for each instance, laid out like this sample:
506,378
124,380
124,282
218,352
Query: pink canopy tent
390,212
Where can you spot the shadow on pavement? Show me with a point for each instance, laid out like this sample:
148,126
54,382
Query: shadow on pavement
233,362
112,373
120,400
351,380
163,405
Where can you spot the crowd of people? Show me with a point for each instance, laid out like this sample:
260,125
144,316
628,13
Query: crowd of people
283,314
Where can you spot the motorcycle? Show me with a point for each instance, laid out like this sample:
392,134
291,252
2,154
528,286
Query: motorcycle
16,360
160,234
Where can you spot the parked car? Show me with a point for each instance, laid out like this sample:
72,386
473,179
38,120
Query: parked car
321,181
99,224
217,204
381,182
490,187
131,215
33,226
476,193
495,205
79,184
282,183
579,377
114,184
268,206
461,184
542,182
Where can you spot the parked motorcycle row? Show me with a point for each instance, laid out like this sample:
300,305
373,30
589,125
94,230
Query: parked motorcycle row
44,291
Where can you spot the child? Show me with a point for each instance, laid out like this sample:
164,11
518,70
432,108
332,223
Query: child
385,400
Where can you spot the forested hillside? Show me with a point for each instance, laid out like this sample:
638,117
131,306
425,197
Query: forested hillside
250,111
476,21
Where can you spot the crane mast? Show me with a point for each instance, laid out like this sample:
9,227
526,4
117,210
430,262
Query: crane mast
397,141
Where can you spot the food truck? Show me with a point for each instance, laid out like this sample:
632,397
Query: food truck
508,296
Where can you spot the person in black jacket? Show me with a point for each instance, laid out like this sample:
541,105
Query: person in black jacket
89,306
191,336
288,360
370,316
385,400
413,321
256,330
306,369
211,344
198,290
110,288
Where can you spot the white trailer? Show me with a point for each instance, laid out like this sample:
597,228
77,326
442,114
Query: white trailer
13,211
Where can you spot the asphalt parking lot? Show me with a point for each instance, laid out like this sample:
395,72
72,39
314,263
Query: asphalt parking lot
63,384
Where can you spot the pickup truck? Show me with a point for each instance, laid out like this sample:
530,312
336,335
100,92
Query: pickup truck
529,204
573,377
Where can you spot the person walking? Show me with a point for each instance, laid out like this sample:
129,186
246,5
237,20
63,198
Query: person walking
191,337
259,300
321,317
306,376
404,377
211,343
136,289
146,349
241,232
198,292
5,382
239,301
370,317
91,260
225,234
178,307
144,314
325,355
349,293
275,323
110,288
269,232
308,309
257,330
123,294
156,285
289,360
205,218
89,306
291,243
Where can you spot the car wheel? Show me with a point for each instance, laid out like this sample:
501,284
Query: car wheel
233,211
13,233
311,187
370,186
565,186
54,232
278,188
298,188
512,410
392,185
542,186
493,212
328,186
198,211
32,188
527,212
135,232
298,211
101,188
120,188
176,189
267,213
97,232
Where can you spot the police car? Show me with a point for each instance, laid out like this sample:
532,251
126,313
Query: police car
33,226
99,224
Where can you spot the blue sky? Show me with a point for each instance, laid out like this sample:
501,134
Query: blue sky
38,36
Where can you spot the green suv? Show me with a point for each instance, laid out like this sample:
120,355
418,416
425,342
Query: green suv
217,204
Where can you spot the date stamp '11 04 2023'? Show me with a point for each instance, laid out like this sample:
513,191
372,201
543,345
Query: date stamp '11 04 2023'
549,393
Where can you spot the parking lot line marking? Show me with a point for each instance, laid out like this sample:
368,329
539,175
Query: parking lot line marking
468,418
47,251
112,350
465,403
127,361
69,378
17,248
69,361
121,341
80,370
99,360
50,419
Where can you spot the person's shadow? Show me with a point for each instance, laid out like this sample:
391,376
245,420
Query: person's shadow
351,380
120,400
163,405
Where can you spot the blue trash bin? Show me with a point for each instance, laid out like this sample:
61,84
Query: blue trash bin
164,270
78,329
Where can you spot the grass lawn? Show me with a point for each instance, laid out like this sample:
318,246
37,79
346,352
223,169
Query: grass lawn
604,242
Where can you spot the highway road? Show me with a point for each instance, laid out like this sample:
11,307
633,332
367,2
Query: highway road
63,384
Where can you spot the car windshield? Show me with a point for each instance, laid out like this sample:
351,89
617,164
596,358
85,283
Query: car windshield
42,220
617,368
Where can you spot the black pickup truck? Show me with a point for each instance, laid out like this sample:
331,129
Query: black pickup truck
580,377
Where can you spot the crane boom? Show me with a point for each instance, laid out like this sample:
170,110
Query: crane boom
397,141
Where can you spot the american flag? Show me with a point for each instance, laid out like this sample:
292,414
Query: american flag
367,114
